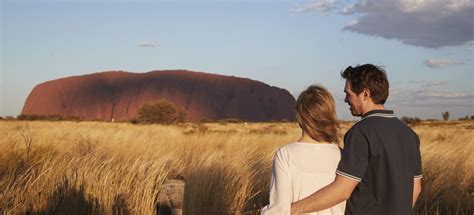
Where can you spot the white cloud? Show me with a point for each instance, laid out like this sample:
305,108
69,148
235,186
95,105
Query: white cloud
446,95
440,63
324,6
348,10
148,44
469,46
425,23
429,84
419,92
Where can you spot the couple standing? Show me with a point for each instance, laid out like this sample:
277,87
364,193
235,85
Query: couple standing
378,171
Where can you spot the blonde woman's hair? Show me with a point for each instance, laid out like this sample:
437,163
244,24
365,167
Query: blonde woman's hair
316,114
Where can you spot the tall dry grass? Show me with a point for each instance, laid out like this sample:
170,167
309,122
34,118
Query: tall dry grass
107,168
447,150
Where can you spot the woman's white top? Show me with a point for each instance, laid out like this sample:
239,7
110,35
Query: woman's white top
299,170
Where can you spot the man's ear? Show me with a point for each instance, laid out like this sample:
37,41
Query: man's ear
366,93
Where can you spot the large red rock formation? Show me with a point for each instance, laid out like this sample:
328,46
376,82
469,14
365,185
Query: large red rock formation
118,95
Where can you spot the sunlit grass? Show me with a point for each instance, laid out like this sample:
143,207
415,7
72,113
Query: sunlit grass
110,168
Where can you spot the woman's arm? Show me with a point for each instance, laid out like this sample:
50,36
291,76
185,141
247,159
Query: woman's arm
280,187
334,193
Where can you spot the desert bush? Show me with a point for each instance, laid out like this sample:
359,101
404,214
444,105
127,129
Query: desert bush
72,118
445,115
466,118
52,117
268,129
134,121
230,120
205,120
411,120
161,112
32,117
24,117
196,128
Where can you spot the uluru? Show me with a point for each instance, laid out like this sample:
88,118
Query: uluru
117,95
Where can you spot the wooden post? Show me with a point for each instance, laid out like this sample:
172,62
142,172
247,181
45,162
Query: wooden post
171,198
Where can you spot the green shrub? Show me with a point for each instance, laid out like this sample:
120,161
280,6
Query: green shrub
411,120
52,117
161,112
9,118
205,120
445,115
231,120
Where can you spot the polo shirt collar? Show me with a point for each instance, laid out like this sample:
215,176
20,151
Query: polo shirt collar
381,113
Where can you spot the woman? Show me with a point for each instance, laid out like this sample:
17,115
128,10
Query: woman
305,166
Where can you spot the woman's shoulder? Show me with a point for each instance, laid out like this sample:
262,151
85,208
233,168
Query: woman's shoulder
288,146
313,158
299,145
285,148
307,148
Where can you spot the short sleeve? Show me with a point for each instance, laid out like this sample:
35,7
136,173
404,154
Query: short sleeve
355,155
417,162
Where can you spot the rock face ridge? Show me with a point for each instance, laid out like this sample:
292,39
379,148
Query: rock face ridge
118,95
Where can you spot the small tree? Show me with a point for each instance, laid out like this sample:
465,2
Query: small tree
445,115
162,112
411,120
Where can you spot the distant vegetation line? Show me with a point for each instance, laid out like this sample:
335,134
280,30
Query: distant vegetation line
147,114
56,117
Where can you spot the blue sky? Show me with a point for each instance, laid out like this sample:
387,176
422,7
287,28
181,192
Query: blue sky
291,44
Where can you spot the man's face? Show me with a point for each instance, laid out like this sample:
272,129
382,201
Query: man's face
355,101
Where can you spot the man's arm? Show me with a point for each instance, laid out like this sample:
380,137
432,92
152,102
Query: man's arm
326,197
416,190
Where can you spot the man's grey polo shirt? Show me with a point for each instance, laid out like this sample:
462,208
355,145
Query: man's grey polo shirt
383,154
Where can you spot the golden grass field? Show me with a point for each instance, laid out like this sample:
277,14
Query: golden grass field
117,168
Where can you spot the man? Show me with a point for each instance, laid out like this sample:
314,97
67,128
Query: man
380,167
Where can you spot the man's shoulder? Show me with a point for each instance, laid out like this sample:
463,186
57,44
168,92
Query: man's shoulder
378,121
370,125
357,131
360,125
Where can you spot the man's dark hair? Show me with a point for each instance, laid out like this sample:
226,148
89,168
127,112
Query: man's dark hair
368,76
